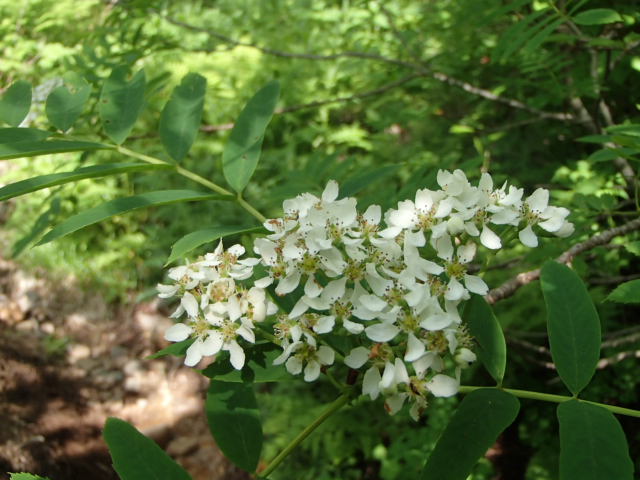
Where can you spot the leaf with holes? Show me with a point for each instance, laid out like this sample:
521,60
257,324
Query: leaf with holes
15,103
121,102
64,105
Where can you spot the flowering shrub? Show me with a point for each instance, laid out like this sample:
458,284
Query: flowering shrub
363,280
374,299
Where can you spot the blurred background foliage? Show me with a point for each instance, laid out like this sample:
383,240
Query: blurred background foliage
377,95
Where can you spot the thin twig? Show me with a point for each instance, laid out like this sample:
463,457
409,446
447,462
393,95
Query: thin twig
510,287
419,69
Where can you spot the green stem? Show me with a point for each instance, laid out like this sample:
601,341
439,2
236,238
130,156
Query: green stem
337,404
249,208
548,397
195,177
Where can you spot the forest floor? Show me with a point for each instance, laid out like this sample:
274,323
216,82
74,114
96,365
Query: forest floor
69,360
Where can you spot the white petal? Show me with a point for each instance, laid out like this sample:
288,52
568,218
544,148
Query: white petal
357,357
299,308
382,332
233,308
166,291
372,215
489,239
423,363
466,252
289,283
325,324
312,288
400,374
294,365
236,353
312,371
326,355
212,344
527,237
178,332
334,290
455,290
263,282
194,355
388,376
394,403
415,349
190,304
245,332
475,284
370,383
443,386
352,327
373,303
538,200
330,192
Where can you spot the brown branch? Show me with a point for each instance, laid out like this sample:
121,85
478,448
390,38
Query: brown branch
419,70
510,287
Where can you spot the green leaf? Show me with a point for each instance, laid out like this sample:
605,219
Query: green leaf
181,116
358,182
38,228
121,102
46,147
242,151
592,444
573,325
16,135
633,248
234,421
123,205
258,367
15,103
177,349
200,237
136,457
484,326
64,106
628,292
25,476
474,427
597,16
45,181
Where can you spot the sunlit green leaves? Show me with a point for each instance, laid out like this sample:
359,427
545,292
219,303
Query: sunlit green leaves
120,103
573,325
597,16
484,327
45,181
474,427
64,104
234,421
137,457
181,116
123,205
25,476
15,103
200,237
46,147
628,292
592,444
242,151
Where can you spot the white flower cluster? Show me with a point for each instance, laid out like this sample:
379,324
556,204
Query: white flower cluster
355,277
218,310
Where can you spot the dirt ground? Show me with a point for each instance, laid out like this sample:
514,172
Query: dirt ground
69,360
